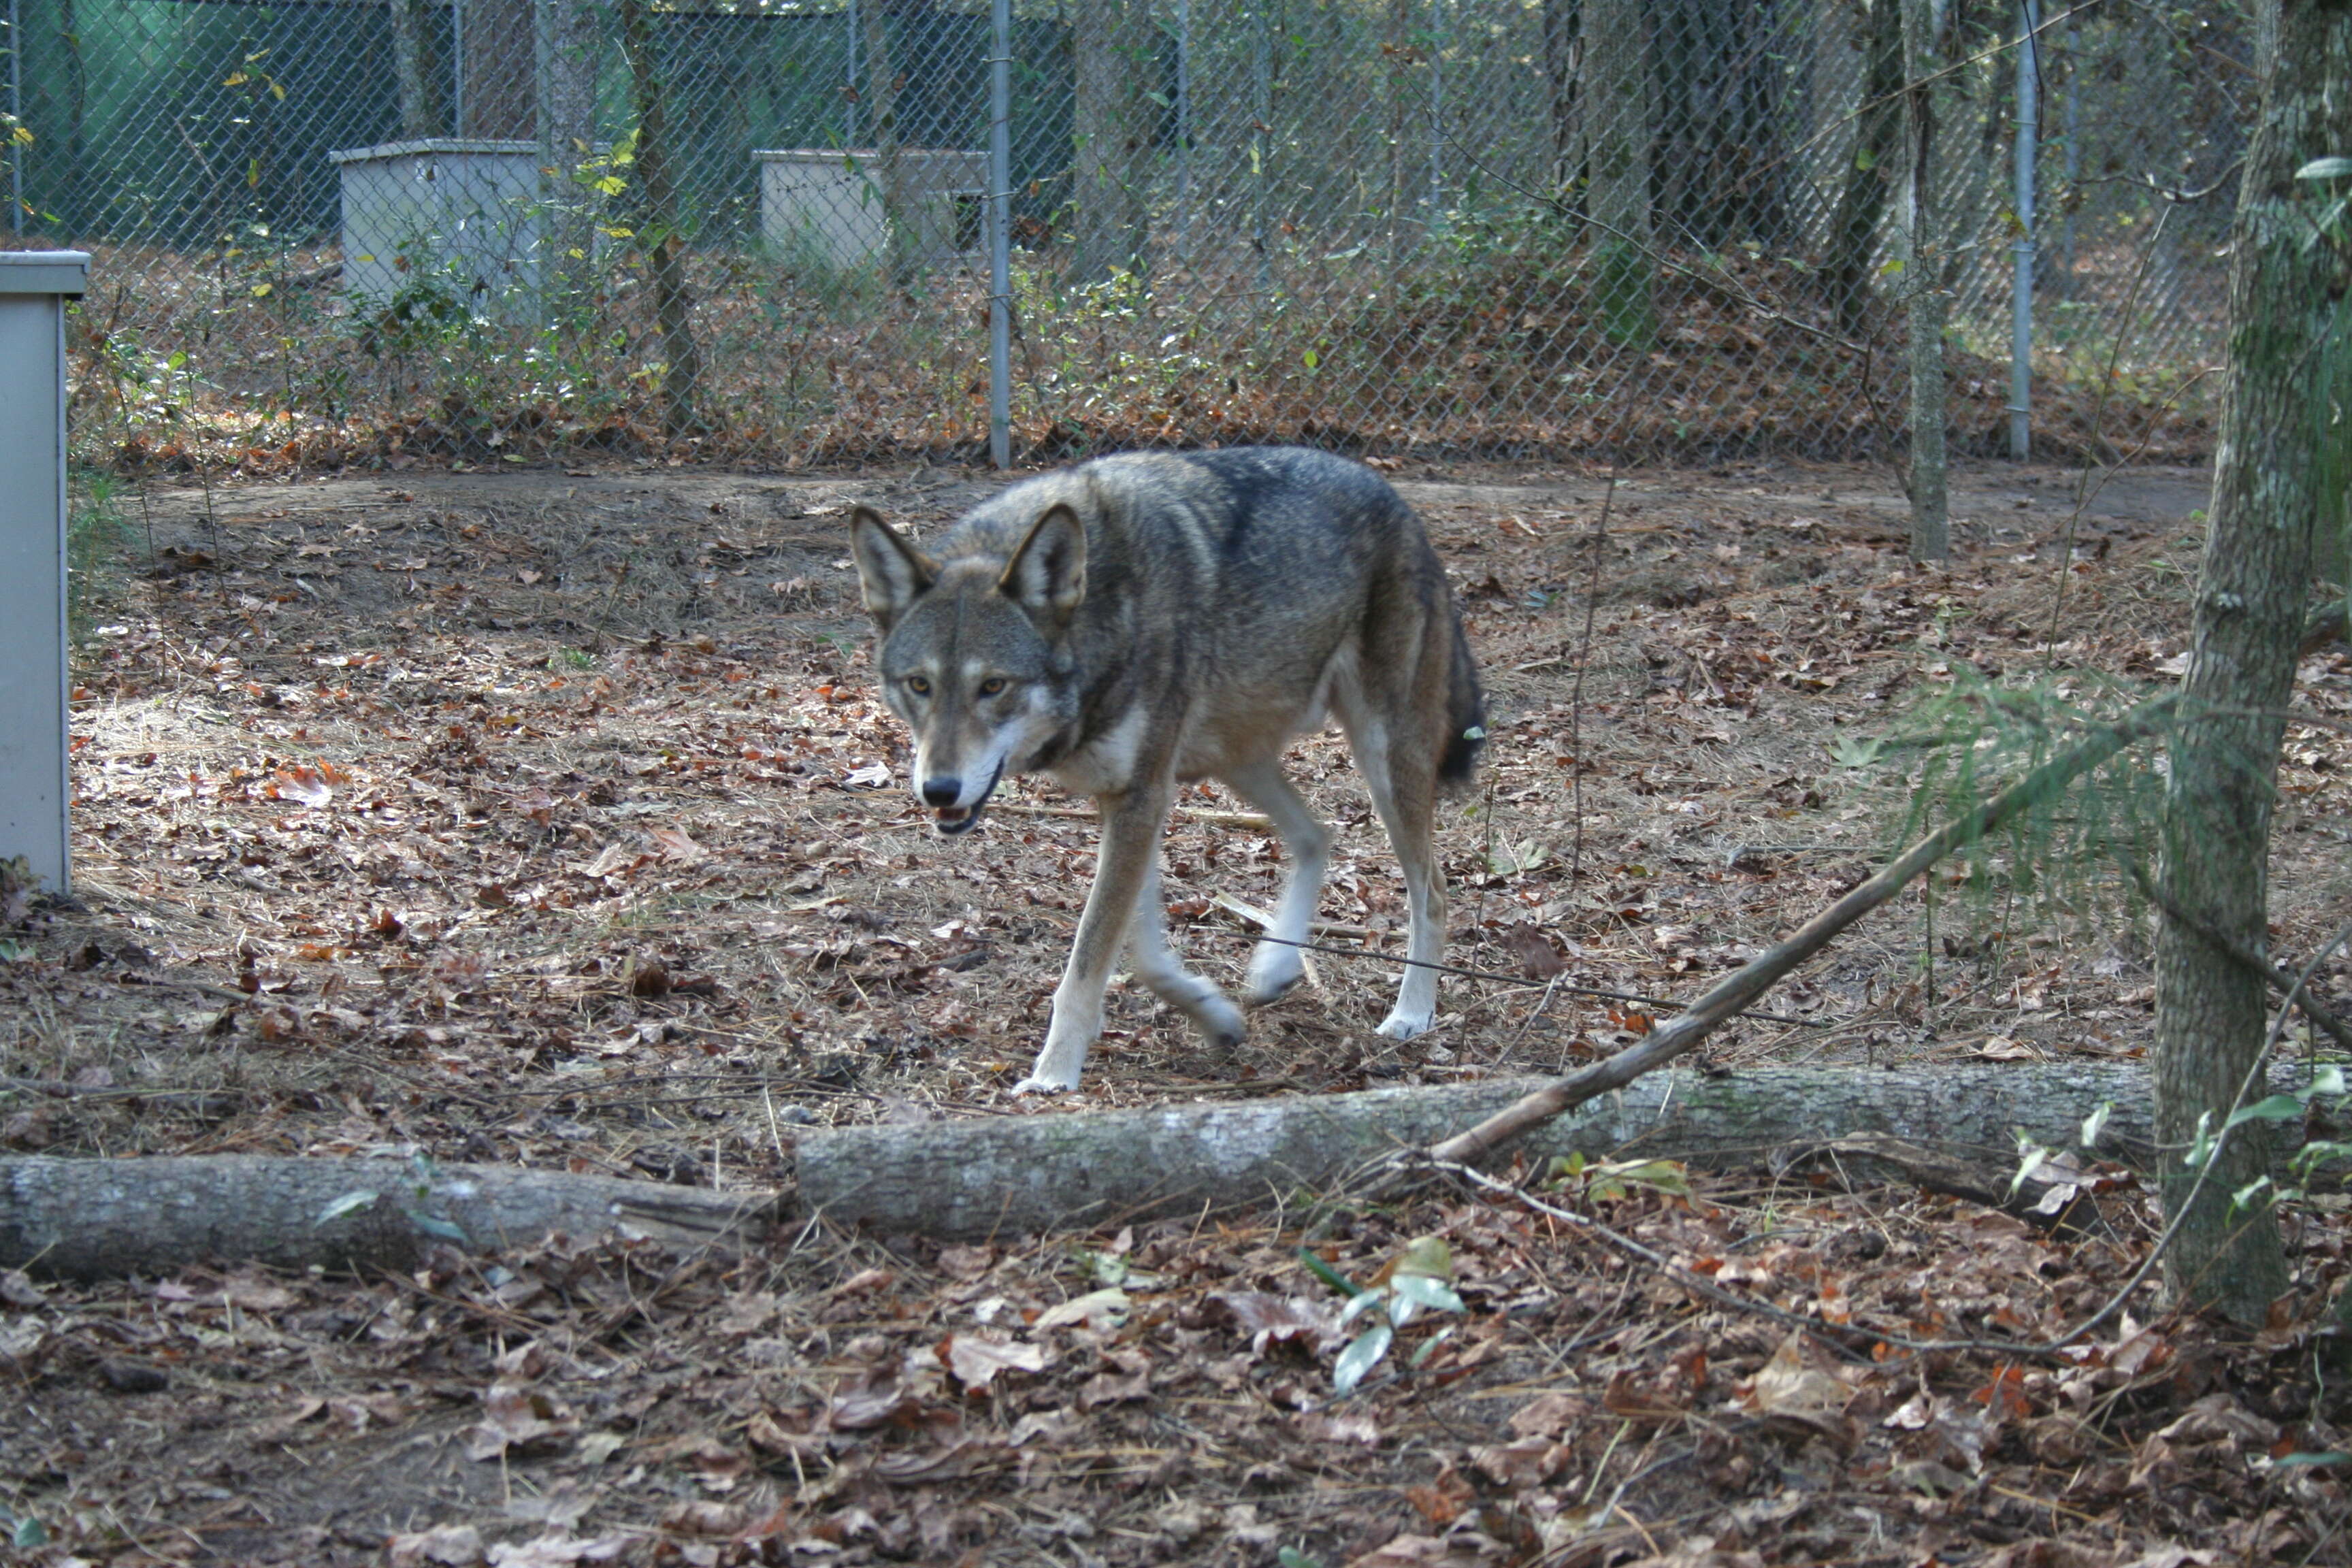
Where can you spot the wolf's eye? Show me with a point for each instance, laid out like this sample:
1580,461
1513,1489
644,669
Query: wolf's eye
918,686
993,685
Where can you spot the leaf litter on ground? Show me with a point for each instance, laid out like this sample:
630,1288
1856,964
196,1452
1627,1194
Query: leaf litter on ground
482,847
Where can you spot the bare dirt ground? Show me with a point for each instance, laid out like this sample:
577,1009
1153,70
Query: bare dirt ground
548,819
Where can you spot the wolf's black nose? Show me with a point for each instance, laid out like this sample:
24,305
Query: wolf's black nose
941,792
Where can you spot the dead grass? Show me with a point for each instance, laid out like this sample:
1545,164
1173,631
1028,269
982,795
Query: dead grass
1489,354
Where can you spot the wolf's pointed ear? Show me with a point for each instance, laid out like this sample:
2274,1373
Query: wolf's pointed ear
891,570
1048,575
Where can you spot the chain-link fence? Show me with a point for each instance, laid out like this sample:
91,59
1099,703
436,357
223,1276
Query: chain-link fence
504,229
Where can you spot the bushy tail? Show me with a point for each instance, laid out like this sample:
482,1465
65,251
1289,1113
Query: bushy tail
1465,717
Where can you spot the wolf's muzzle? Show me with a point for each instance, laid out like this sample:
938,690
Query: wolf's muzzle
952,819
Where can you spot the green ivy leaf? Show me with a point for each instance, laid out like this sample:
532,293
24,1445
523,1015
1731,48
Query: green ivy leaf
349,1204
1423,1292
1363,1355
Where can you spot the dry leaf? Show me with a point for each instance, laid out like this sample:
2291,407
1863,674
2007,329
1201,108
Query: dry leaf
1538,959
1269,1318
1789,1388
975,1360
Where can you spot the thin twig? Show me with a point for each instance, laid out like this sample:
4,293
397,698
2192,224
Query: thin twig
1576,693
1659,1002
620,575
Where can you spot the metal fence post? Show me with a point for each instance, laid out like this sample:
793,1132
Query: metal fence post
1185,130
2074,152
1436,113
1000,235
1262,143
458,126
15,120
2021,326
34,287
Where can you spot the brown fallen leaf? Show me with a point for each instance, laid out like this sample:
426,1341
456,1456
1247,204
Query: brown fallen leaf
1360,1429
975,1360
1109,1388
1551,1415
446,1546
1268,1318
516,1418
907,1467
677,848
1522,1462
1538,959
1789,1388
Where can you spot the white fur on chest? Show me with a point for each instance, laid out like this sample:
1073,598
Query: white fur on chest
1106,764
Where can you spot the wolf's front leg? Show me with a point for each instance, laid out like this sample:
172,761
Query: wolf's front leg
1219,1021
1130,842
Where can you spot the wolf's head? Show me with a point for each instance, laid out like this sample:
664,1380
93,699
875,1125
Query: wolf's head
972,652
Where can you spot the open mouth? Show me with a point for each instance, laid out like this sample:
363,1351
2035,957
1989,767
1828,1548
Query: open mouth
954,819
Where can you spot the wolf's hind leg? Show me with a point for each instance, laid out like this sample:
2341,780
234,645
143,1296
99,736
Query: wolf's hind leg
1147,941
1406,796
1277,965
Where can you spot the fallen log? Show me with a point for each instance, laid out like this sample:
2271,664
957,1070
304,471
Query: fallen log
85,1219
1053,1170
1016,1174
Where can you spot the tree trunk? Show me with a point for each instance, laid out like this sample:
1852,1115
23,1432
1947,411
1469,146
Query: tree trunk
881,106
1112,42
1618,131
89,1219
1561,80
569,40
496,91
416,117
658,229
1722,75
1862,202
1396,49
1923,283
2286,285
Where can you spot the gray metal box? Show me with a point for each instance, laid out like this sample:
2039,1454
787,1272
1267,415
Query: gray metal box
478,209
826,205
34,287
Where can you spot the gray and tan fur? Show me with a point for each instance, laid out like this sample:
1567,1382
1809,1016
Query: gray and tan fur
1139,621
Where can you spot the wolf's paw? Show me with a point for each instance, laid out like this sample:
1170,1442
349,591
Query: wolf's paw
1274,979
1032,1084
1219,1023
1403,1026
